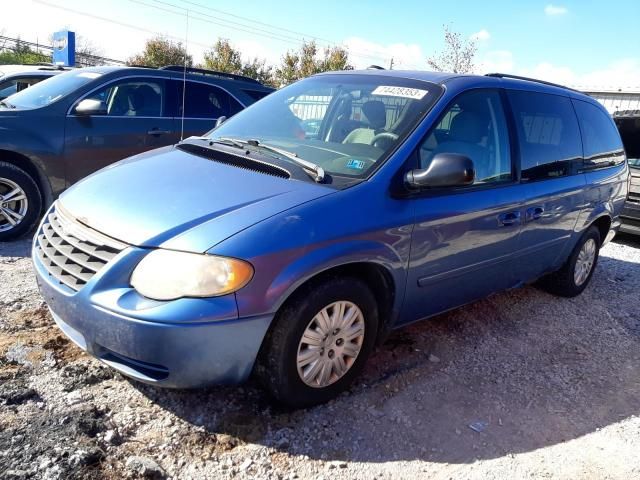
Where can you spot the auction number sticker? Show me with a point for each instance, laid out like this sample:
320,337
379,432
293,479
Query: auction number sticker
404,92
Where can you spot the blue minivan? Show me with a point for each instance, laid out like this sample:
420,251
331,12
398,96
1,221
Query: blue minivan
291,238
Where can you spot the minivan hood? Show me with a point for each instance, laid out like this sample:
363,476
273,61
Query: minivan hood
172,199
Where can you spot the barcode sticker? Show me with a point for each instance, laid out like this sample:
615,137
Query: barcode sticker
404,92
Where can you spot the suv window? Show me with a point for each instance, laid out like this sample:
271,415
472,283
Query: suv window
207,102
131,98
548,133
474,126
599,134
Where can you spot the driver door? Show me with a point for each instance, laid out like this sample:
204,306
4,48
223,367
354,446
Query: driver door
133,121
464,238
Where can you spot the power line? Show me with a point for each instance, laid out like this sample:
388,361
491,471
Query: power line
258,22
249,29
252,30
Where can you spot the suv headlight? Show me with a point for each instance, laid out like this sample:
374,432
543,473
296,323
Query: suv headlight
168,274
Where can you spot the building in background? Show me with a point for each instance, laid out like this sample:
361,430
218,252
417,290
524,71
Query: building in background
616,99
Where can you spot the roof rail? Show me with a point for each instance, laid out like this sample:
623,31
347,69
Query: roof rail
375,67
528,79
214,73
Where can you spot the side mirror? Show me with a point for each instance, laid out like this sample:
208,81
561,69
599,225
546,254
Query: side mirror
445,170
220,121
90,106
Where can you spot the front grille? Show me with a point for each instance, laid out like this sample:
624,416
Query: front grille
72,253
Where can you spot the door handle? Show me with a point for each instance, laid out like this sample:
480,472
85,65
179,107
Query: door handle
509,218
534,213
157,131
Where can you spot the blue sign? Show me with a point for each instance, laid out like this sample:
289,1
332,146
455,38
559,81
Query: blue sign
64,48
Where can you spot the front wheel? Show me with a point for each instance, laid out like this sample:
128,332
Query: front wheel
319,342
575,274
20,201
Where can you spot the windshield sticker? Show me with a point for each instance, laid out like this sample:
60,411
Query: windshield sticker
355,164
404,92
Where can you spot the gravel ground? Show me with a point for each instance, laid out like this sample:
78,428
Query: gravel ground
522,384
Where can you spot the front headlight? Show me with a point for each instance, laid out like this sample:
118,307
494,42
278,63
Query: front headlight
167,275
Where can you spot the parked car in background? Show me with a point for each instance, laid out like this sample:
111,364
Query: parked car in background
628,123
71,125
267,248
15,78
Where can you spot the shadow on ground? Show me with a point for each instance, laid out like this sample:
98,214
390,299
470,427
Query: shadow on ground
525,369
17,248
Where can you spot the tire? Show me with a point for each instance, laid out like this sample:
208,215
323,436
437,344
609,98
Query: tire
277,366
28,206
566,282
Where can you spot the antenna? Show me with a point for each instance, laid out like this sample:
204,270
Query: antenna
184,76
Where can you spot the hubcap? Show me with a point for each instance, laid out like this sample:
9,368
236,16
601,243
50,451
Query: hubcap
13,204
330,344
584,263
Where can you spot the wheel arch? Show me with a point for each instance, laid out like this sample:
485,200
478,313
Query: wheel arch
25,163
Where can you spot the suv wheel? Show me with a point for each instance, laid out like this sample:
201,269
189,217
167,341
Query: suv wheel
319,343
576,273
20,201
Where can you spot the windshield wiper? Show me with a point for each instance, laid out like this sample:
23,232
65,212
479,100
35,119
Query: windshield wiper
4,103
315,171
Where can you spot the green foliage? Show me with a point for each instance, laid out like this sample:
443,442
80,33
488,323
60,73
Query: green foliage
159,52
22,54
305,62
223,57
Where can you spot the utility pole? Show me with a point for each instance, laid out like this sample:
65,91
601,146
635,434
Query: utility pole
391,64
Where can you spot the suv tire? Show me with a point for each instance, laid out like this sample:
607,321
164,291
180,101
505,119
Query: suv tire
339,319
576,273
22,206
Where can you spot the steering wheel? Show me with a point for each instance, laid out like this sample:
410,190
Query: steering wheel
383,140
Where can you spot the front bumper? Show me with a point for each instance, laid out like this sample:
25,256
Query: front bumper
184,343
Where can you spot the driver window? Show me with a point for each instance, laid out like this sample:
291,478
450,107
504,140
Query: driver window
474,126
137,98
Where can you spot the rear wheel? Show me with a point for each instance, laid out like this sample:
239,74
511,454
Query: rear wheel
20,201
576,273
319,342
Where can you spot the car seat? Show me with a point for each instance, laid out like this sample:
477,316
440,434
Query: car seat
375,114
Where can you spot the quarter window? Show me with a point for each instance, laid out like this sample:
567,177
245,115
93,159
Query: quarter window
131,98
600,137
548,134
207,101
474,126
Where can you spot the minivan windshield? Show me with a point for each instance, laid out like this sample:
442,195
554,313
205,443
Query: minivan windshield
51,90
347,124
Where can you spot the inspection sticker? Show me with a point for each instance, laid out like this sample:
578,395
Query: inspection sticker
357,164
404,92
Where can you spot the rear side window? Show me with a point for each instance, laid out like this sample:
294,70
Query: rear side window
548,134
600,136
207,102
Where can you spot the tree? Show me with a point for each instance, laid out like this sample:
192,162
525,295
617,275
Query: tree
305,62
260,71
87,53
223,58
458,54
159,52
21,53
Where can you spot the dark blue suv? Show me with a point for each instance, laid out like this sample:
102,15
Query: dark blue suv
292,237
69,126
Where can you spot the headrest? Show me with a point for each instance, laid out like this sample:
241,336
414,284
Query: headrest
375,113
467,127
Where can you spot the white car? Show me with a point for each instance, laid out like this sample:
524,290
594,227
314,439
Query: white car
14,78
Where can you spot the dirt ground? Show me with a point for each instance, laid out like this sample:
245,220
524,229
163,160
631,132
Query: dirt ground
520,385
